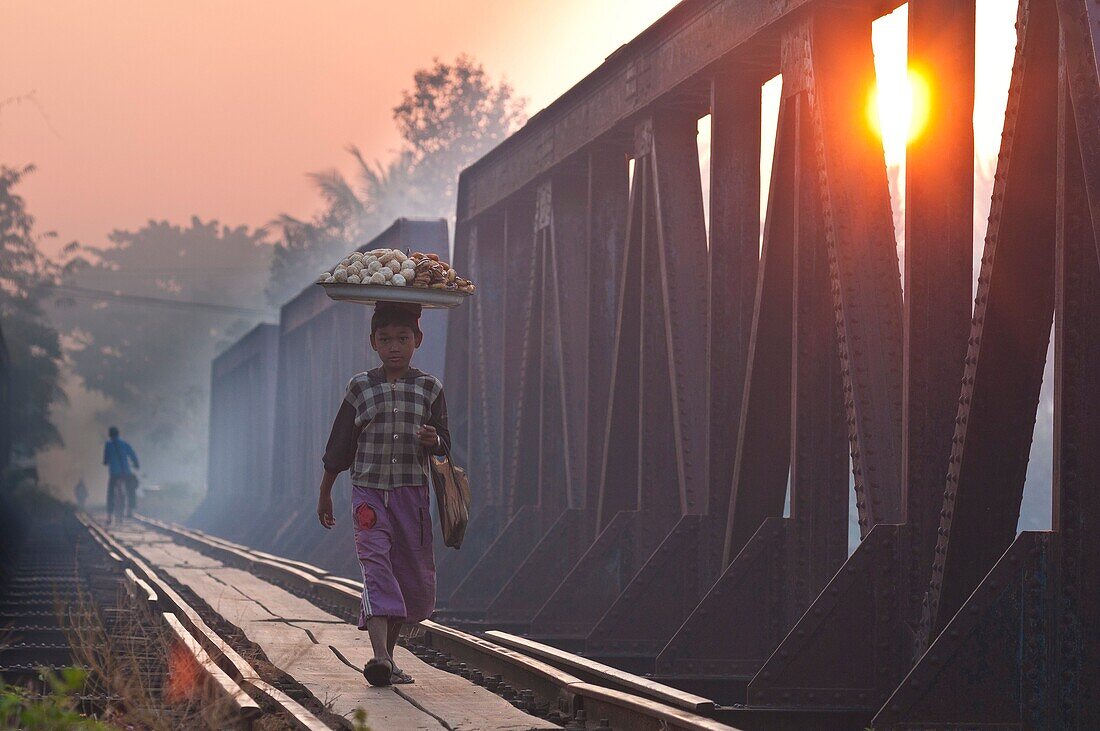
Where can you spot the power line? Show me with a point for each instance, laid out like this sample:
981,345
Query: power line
137,299
171,269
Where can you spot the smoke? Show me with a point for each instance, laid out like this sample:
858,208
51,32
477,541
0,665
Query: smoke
83,434
142,317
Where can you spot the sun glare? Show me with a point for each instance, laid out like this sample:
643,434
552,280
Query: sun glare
898,111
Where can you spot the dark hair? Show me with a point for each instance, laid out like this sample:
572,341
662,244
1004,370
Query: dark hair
112,432
393,313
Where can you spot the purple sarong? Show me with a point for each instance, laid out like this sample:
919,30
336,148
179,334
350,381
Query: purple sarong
393,539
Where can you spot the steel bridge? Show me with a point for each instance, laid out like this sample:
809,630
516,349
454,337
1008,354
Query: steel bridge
638,392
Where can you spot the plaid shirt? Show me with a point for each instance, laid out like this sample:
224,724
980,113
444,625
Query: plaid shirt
374,433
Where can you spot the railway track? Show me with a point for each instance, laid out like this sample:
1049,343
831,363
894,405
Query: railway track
73,596
564,688
236,680
140,603
67,600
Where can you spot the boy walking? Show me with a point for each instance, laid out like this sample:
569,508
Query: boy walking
391,419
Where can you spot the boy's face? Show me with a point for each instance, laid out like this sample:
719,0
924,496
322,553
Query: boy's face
395,345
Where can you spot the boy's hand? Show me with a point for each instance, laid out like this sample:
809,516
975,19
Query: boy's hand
324,510
427,436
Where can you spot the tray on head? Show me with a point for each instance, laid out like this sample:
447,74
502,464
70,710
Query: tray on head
368,294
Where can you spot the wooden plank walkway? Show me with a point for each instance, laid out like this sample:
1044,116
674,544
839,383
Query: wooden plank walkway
307,643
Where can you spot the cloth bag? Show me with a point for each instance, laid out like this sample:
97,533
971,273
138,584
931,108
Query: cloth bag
452,497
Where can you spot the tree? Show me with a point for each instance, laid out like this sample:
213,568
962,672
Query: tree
453,115
33,347
152,359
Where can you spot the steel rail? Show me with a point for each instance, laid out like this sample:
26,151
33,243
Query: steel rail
141,593
643,705
604,674
219,654
243,705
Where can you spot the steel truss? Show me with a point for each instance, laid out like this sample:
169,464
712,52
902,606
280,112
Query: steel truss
641,403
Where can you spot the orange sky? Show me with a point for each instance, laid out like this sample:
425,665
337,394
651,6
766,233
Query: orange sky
158,108
164,109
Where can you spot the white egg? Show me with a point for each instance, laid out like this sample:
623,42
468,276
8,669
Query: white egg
398,280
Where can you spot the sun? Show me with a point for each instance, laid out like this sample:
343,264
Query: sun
898,110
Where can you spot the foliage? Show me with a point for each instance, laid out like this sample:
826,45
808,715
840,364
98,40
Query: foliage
359,720
53,712
153,361
33,347
453,115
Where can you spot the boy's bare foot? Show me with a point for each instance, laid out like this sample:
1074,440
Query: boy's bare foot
379,672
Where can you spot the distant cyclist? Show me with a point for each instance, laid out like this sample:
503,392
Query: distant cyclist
122,484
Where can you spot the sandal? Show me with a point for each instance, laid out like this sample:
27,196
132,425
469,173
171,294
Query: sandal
400,677
378,672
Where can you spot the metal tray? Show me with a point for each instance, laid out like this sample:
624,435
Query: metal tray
368,294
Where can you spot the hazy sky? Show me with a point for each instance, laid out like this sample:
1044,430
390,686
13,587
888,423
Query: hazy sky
168,108
159,108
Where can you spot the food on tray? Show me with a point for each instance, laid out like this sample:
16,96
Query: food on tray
397,269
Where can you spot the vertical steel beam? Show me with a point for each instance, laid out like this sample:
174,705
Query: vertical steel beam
837,62
1009,335
939,251
618,489
487,262
761,465
549,416
682,261
655,406
608,211
734,260
521,358
1080,20
567,329
819,457
1076,425
666,270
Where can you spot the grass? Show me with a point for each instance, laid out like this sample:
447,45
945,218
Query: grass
20,708
151,680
